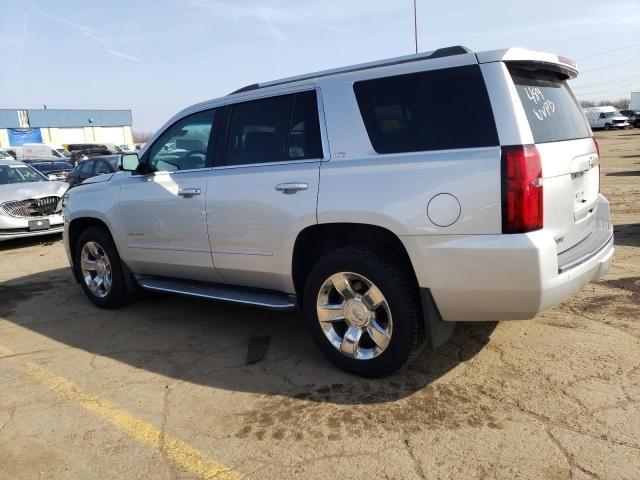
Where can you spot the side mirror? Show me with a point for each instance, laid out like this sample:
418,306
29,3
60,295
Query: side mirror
129,162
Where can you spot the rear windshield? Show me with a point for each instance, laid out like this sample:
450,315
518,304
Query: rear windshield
433,110
551,108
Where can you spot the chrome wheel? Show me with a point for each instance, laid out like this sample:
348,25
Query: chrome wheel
96,269
354,315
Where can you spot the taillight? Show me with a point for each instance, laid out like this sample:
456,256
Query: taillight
522,209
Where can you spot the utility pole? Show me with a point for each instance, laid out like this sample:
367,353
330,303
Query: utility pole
415,24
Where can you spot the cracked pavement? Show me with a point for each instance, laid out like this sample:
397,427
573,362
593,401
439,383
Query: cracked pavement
557,397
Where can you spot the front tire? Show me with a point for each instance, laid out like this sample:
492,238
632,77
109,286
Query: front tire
607,126
99,269
362,309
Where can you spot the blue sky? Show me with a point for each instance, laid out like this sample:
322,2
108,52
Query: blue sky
157,57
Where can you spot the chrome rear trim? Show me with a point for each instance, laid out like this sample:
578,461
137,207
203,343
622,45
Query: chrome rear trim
590,247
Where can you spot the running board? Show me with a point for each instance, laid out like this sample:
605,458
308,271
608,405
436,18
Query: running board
223,293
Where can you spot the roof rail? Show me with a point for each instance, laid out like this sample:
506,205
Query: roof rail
439,53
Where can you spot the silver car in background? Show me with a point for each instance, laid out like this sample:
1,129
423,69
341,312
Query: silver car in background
28,201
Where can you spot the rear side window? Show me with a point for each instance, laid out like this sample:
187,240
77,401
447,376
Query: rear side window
433,110
304,134
552,110
274,129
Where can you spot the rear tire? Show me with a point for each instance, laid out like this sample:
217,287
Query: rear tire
381,326
99,268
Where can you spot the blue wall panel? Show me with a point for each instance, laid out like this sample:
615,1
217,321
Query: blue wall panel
79,118
9,118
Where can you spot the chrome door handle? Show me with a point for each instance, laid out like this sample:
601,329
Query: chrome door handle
188,192
291,188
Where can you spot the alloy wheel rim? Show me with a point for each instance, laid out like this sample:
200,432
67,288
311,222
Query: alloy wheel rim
354,315
96,269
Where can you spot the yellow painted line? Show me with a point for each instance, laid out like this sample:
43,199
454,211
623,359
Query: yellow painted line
183,454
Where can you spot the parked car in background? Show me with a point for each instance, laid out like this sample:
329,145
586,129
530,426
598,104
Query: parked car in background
29,202
92,167
41,151
363,196
606,117
86,146
5,155
53,169
633,116
78,156
124,148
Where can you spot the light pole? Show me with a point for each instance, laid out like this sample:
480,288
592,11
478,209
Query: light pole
415,25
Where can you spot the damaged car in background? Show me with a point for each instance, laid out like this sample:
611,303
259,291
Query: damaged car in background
29,201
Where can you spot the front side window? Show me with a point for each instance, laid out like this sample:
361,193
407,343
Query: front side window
274,129
102,167
184,145
86,167
433,110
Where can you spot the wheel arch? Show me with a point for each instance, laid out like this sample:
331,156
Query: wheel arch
316,240
76,227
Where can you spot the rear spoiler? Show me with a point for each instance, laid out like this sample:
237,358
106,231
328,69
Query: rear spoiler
522,55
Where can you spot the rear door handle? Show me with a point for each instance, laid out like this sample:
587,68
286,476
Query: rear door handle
188,192
291,188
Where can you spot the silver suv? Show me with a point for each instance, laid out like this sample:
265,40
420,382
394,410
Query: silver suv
388,200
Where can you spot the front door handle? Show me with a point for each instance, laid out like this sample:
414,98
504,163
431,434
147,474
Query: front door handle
291,188
188,192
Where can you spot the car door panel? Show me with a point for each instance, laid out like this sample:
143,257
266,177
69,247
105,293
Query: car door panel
253,226
168,236
266,191
163,213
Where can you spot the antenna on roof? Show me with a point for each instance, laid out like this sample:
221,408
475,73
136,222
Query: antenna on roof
415,25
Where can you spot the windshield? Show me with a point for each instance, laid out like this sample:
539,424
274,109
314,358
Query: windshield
62,152
612,114
20,174
4,154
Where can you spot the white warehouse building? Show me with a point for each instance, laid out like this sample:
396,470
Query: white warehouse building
62,127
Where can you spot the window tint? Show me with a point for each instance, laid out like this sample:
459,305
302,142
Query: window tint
551,108
86,167
184,145
434,110
274,129
102,167
304,134
258,131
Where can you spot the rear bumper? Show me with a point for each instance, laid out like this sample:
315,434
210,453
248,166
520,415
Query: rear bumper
506,277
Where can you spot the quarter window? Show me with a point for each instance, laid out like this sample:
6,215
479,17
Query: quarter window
184,145
274,129
432,110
